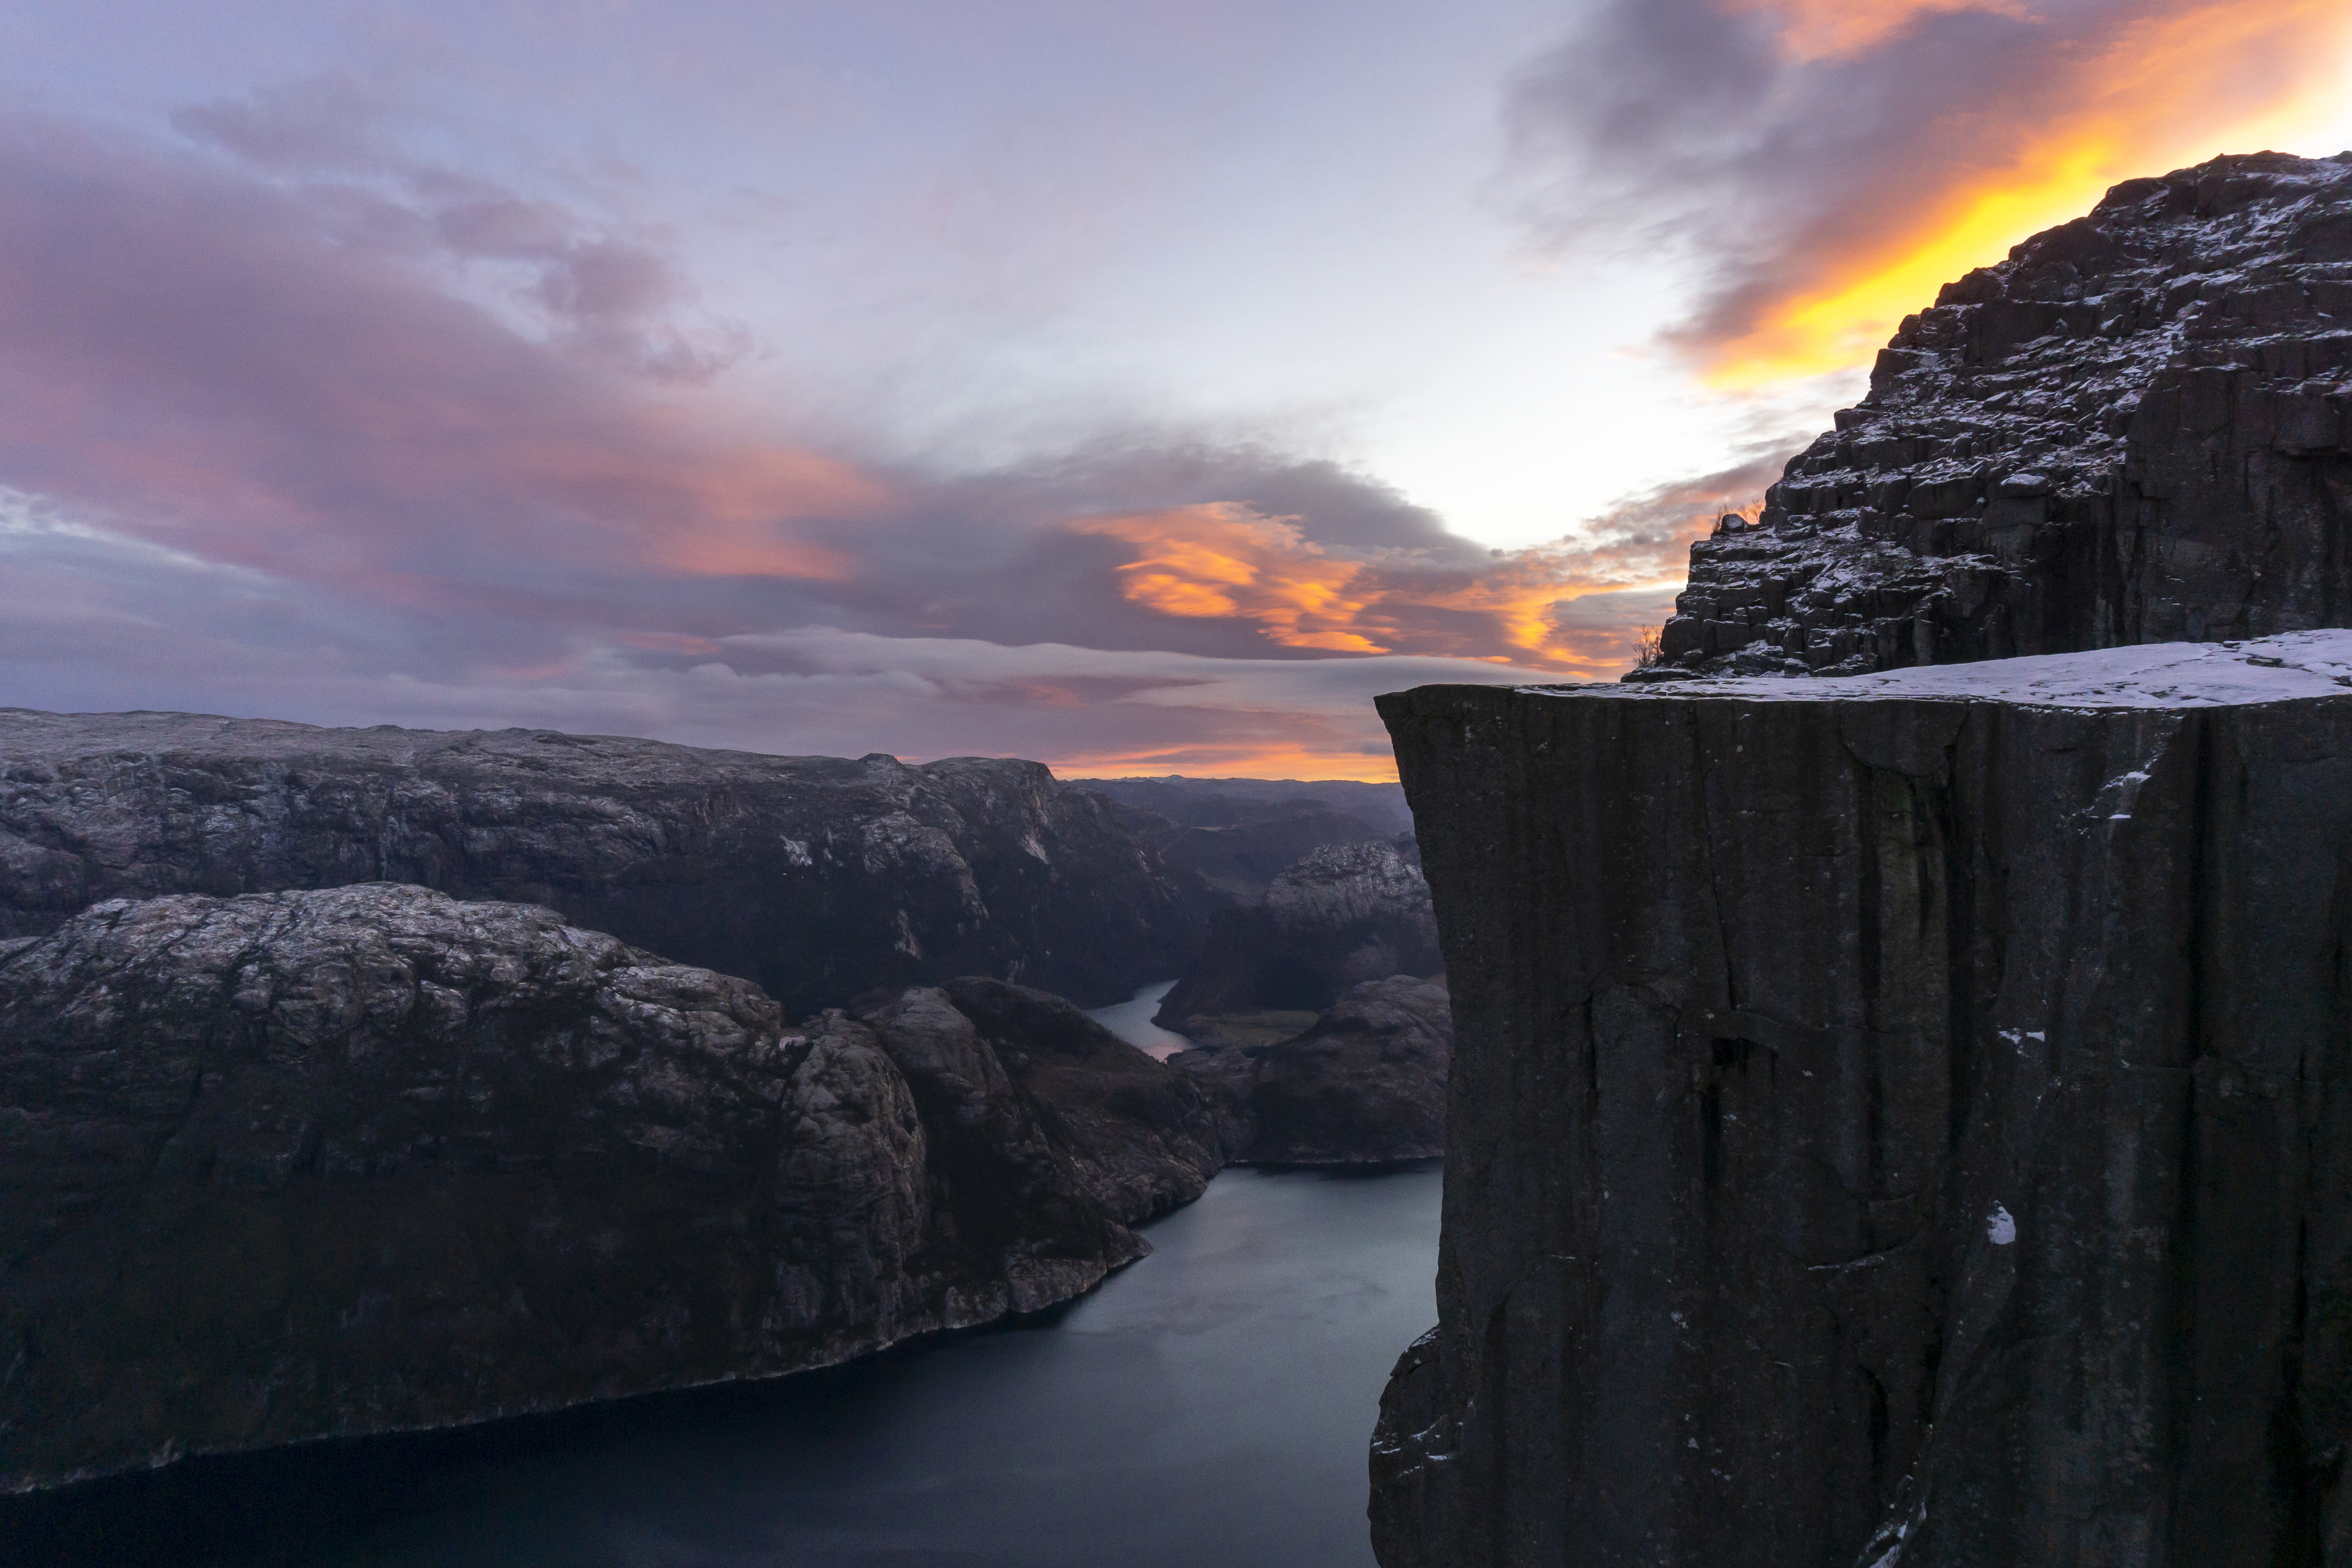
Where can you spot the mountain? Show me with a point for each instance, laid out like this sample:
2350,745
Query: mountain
824,879
2136,429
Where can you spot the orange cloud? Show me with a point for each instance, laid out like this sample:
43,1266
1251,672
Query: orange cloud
2162,92
1827,29
1222,561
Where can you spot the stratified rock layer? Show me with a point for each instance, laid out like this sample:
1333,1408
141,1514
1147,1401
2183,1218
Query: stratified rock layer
1894,1120
297,1165
2137,428
823,880
1365,1084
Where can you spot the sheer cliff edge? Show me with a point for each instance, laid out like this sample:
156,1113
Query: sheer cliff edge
1895,1119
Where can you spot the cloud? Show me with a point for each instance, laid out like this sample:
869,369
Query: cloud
1824,165
268,444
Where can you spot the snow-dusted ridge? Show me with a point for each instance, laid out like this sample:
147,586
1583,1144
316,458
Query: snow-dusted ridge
2148,675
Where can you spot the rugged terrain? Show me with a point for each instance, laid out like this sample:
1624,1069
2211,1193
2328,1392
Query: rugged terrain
1238,835
1899,1121
366,1159
1341,915
823,880
1364,1084
2137,428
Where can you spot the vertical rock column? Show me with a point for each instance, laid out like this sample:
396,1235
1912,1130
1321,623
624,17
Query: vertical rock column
1895,1122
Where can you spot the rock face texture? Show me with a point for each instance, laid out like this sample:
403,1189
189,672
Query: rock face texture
294,1165
2137,428
1344,915
1903,1121
1142,1137
1364,1085
821,879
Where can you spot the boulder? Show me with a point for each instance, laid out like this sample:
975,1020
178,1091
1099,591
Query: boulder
307,1164
1896,1119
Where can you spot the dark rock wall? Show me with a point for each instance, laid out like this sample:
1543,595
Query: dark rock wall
1142,1137
1900,1126
2137,428
1365,1084
819,877
295,1165
1342,915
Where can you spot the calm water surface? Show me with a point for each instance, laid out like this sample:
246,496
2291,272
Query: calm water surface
1132,1021
1208,1407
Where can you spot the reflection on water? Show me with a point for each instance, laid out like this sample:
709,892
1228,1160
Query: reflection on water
1132,1021
1209,1407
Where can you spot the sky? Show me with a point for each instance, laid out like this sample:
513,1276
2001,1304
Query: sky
1137,387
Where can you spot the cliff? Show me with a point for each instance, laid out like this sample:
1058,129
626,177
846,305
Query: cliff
297,1165
1900,1120
1339,916
821,879
1364,1084
2137,428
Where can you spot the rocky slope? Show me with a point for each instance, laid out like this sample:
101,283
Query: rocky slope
1901,1121
1344,915
1365,1084
1143,1137
2136,429
821,879
367,1159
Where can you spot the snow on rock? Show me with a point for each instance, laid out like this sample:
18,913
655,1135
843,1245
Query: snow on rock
2137,428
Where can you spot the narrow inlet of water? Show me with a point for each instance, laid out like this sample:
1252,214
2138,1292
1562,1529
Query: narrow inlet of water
1210,1406
1132,1021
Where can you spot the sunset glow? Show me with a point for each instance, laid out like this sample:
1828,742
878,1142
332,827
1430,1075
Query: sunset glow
2171,90
1136,391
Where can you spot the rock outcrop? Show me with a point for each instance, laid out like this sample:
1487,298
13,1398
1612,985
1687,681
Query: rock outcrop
1142,1137
2137,428
821,879
294,1165
1344,915
1365,1084
1898,1121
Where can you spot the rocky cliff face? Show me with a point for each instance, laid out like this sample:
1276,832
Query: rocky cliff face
1901,1121
304,1165
1344,915
819,877
2136,429
1142,1137
1365,1084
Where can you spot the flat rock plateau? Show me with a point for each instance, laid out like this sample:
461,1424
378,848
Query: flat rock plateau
1898,1121
823,880
295,1165
2136,429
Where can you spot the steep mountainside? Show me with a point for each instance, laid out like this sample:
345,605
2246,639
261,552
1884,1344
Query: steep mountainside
1227,802
1344,915
1364,1084
368,1159
2136,429
1896,1122
821,879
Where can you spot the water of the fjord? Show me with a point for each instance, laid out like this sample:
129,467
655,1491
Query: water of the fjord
1208,1407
